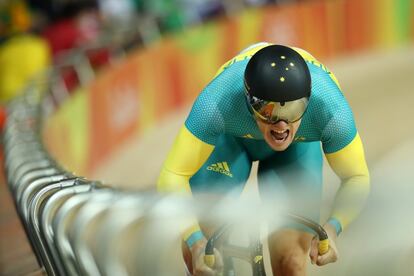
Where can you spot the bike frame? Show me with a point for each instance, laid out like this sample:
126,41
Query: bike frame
253,253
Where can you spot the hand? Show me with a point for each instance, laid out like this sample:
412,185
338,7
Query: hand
199,267
329,257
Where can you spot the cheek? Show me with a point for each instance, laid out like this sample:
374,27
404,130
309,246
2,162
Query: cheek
295,128
262,127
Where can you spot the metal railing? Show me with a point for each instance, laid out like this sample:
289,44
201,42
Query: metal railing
70,221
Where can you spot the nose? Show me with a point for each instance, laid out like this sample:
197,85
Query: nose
280,124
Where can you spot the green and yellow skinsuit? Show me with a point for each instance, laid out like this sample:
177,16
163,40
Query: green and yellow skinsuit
220,139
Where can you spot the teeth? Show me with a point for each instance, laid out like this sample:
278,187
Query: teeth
280,131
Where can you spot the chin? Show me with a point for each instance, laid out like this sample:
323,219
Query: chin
277,146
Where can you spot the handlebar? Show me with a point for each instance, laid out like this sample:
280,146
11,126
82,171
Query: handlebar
323,245
209,258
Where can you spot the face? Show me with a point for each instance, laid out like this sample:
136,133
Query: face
279,135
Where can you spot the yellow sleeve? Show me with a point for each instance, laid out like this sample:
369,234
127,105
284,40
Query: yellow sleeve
186,157
350,165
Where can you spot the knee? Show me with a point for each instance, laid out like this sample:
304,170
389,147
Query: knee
291,263
288,251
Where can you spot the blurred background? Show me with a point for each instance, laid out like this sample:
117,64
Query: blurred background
113,81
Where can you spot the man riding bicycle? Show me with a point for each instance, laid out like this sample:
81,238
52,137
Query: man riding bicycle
276,105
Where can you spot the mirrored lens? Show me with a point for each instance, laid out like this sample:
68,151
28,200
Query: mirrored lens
273,112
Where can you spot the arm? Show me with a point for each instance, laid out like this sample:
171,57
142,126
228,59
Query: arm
186,157
343,150
350,166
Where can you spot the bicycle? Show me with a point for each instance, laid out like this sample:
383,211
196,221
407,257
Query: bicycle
253,253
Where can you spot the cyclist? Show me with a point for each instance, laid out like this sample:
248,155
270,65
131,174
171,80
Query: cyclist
276,105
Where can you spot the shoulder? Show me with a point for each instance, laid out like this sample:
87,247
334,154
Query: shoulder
326,89
327,100
305,54
330,111
312,61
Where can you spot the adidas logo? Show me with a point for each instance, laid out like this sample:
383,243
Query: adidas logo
248,136
220,167
300,138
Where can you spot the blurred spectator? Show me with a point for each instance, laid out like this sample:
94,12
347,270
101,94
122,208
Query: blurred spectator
168,14
118,12
23,55
200,10
74,24
259,2
14,18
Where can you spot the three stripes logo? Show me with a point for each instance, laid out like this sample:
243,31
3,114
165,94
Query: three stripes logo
248,136
300,138
220,167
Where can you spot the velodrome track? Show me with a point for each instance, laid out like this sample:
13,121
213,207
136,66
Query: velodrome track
379,87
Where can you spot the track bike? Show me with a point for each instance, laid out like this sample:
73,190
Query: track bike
253,253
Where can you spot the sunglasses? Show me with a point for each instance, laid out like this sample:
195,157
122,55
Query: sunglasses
272,112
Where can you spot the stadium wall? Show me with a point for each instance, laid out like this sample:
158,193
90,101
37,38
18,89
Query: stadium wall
131,97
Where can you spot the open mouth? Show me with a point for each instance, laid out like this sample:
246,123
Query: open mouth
280,135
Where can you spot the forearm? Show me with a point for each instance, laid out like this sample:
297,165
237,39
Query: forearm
350,200
169,182
350,165
186,157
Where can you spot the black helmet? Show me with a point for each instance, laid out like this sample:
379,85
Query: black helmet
278,84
